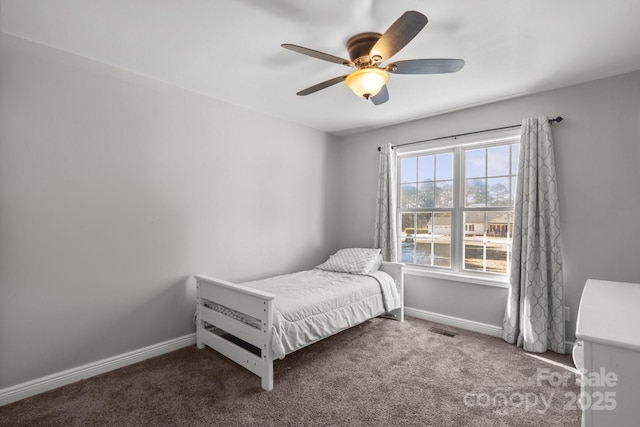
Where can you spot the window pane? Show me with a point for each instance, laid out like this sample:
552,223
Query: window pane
444,166
475,226
475,163
487,241
426,197
408,194
473,255
441,239
408,169
407,237
496,258
423,238
444,194
475,193
498,192
515,153
426,169
423,224
426,238
499,234
408,224
498,161
499,226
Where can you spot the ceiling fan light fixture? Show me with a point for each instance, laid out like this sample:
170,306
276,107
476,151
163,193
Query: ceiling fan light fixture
367,82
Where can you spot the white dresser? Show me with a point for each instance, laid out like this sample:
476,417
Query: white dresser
608,349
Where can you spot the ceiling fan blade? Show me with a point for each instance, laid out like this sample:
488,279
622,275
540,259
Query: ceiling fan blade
399,34
317,54
321,86
426,66
381,97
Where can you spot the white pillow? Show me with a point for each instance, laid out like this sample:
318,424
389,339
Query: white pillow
353,260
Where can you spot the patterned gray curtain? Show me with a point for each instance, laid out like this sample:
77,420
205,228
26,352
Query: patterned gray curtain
386,235
534,316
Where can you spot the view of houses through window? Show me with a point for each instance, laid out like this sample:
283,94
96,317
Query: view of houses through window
456,207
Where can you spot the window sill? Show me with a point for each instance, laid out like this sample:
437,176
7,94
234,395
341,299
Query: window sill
496,283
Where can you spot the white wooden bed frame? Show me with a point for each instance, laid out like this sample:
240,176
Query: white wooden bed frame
258,304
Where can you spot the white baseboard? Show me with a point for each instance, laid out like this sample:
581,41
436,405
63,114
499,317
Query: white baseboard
568,346
40,385
469,325
457,322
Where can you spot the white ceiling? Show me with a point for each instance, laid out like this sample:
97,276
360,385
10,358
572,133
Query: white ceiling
230,49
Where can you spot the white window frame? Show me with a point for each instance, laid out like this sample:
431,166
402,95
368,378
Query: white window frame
457,144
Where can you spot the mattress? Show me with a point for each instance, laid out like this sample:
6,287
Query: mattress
313,304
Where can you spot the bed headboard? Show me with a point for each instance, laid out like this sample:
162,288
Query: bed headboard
396,270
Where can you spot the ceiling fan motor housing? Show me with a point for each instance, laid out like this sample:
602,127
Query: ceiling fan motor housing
359,47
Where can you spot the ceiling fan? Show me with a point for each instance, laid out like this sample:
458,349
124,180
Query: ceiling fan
367,52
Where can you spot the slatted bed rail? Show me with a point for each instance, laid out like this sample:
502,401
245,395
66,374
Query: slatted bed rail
253,302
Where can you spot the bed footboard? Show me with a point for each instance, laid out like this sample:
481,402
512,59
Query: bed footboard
222,333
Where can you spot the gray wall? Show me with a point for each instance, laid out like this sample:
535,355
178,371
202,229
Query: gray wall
598,162
114,189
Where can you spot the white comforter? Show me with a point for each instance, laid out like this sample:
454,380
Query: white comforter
311,305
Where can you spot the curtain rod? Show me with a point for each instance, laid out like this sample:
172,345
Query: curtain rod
557,120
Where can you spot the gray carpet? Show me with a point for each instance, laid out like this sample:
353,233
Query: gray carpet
381,373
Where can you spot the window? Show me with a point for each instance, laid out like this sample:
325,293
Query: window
455,204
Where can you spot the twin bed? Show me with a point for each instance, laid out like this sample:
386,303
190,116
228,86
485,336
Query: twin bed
256,322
